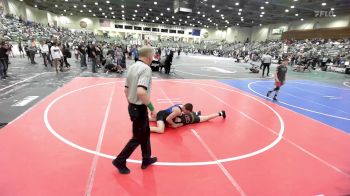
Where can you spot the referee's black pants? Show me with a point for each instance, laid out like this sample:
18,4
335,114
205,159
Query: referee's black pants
141,133
266,65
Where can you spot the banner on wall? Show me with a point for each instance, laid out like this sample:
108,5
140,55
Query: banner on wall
105,23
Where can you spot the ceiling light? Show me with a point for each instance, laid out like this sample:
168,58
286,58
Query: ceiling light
161,14
287,10
334,15
217,10
107,2
237,3
146,14
262,8
133,18
296,14
324,4
110,8
144,17
122,11
84,5
123,15
168,9
94,14
113,16
240,10
122,6
239,13
150,10
81,10
71,14
65,10
112,12
135,11
302,19
96,3
203,15
35,6
260,24
138,5
65,0
266,2
100,9
332,9
157,18
261,16
262,13
198,12
213,6
141,20
292,6
155,3
162,22
167,20
103,14
134,15
75,6
172,17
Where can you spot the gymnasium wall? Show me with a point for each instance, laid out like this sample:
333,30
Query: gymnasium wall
234,33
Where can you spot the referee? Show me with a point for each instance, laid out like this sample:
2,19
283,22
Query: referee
137,91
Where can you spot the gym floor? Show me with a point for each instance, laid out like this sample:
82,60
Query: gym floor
65,129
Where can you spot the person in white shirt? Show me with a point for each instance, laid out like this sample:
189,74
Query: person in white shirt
44,51
56,55
266,62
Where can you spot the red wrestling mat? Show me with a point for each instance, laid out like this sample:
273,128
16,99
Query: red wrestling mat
65,145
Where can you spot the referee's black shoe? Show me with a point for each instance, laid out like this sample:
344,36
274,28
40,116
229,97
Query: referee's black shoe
121,166
148,162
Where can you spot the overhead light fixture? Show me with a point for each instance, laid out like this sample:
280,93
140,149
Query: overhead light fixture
155,3
324,4
292,7
110,8
172,17
332,9
103,14
113,16
81,10
266,2
302,19
198,12
260,24
168,9
96,3
261,16
237,4
262,8
100,9
94,14
122,11
138,5
135,11
287,10
203,15
296,14
217,10
239,13
213,6
150,10
122,6
240,10
75,6
134,15
56,5
112,13
161,14
84,5
35,6
65,10
262,13
133,18
107,2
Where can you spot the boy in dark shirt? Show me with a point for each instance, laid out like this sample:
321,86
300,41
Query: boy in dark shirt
280,77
